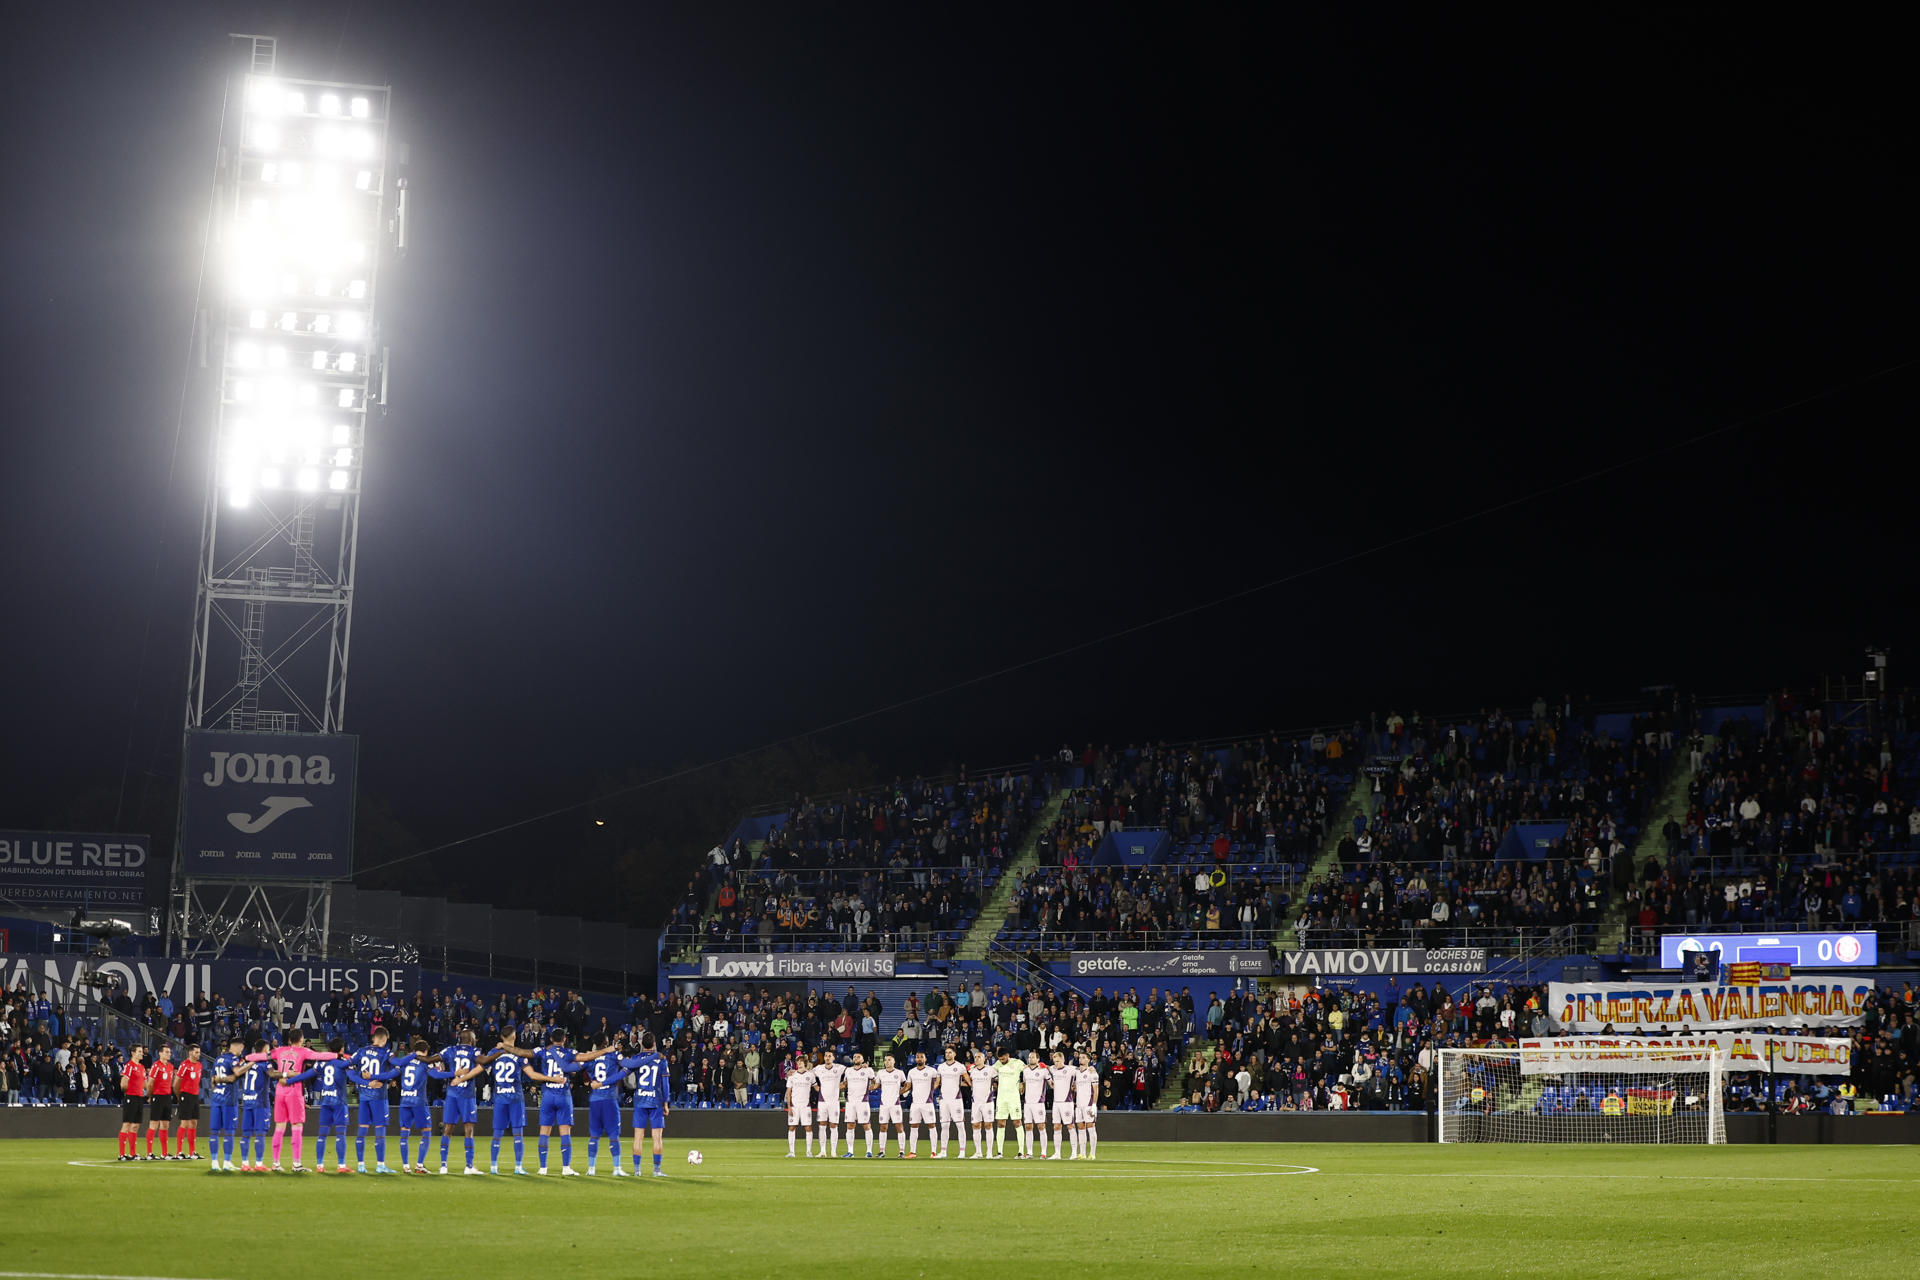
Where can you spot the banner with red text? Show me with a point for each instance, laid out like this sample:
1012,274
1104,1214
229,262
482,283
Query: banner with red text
1702,1006
1739,1051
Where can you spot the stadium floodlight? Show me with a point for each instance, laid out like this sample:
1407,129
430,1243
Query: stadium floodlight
297,238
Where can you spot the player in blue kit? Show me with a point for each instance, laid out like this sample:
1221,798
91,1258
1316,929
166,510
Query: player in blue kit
372,1068
256,1111
330,1078
649,1100
416,1109
550,1068
223,1118
509,1107
603,1107
461,1106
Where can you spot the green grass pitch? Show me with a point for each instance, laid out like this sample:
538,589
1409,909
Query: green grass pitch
1145,1209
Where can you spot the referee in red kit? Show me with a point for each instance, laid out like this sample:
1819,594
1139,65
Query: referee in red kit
133,1111
160,1095
186,1105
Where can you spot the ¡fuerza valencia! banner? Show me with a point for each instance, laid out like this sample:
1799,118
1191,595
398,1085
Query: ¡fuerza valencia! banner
1704,1006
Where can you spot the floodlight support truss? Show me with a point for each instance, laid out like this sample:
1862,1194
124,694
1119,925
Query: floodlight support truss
289,918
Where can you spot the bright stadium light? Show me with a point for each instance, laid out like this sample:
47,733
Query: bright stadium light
264,95
303,207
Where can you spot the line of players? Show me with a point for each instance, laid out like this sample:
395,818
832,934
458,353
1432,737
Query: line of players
240,1105
994,1089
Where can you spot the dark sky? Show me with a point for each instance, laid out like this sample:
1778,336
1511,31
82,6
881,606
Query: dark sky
760,365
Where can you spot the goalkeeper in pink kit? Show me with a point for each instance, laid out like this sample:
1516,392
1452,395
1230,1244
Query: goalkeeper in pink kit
289,1102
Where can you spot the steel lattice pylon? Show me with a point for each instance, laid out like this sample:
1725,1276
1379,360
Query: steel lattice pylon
307,208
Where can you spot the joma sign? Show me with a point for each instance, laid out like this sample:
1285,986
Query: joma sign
269,806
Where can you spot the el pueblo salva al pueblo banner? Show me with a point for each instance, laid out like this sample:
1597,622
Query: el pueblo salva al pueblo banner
1739,1051
1706,1006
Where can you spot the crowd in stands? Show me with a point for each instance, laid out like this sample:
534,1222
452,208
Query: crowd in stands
1448,903
1451,791
46,1062
1267,799
902,865
1794,821
1155,907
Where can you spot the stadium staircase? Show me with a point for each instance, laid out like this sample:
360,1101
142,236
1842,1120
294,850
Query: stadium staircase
1671,805
1342,824
974,948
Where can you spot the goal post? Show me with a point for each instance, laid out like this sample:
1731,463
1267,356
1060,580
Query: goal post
1623,1093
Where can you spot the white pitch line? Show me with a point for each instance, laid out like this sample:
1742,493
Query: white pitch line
1626,1177
78,1275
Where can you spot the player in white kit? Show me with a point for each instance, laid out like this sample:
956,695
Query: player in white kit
859,1110
799,1103
828,1074
953,1110
892,1080
922,1079
1061,1076
1033,1118
1086,1105
980,1075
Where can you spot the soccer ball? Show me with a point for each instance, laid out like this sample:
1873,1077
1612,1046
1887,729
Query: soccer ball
694,1157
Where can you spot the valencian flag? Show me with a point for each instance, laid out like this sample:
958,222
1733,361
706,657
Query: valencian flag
1751,973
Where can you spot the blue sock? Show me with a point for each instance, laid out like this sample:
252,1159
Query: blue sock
360,1146
543,1151
566,1151
340,1144
636,1157
656,1161
496,1151
519,1147
446,1140
229,1143
593,1153
613,1146
470,1152
380,1145
403,1148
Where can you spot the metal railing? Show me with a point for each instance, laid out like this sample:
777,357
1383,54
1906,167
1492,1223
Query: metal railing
1728,866
1512,941
1242,937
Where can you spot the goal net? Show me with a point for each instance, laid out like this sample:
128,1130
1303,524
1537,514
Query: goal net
1623,1093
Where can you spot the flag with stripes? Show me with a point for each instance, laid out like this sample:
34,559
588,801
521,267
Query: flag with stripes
1744,973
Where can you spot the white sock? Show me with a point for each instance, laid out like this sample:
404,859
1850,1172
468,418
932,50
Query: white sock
789,1141
1093,1140
836,1141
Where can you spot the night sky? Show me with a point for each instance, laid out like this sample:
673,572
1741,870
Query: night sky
758,366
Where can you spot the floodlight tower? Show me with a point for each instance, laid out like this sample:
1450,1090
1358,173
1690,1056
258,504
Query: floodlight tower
307,203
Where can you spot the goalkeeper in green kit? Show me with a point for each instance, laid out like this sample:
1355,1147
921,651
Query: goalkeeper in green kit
1006,1109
